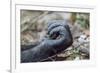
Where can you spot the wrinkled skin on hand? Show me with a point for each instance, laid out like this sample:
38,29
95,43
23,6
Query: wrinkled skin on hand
59,39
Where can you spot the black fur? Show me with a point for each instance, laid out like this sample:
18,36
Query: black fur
50,45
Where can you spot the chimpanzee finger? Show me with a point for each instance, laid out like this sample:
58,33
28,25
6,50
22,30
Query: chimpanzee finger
56,23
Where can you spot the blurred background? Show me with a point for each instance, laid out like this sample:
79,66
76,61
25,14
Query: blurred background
34,28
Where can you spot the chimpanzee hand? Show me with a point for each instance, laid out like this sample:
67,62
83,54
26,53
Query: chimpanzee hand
60,35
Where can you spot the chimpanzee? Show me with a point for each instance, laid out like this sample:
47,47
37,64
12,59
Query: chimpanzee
59,38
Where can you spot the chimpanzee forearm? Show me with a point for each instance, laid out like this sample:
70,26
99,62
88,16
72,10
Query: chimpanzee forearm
37,53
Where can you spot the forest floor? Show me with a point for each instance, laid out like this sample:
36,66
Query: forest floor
34,27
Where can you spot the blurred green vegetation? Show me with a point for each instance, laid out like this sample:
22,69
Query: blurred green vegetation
82,19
